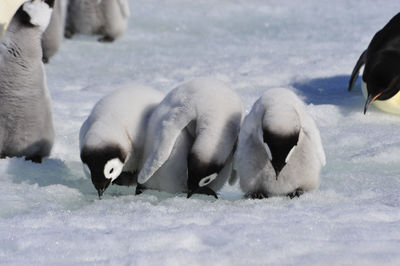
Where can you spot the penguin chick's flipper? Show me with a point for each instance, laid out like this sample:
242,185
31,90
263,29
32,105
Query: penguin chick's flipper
125,179
106,39
297,193
356,70
203,190
166,138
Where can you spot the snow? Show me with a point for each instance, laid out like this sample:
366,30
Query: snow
50,213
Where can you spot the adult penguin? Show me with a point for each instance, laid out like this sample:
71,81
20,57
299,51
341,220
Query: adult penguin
26,123
7,11
279,150
191,139
108,18
54,34
112,137
381,76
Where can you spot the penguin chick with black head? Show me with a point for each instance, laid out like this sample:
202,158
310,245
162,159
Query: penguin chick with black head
191,139
54,34
26,122
108,18
381,76
112,137
279,150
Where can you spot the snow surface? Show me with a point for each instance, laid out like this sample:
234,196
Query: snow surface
50,213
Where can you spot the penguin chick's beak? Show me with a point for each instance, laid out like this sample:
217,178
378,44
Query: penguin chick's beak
202,190
101,188
370,100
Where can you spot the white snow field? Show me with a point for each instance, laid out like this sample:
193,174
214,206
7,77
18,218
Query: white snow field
50,213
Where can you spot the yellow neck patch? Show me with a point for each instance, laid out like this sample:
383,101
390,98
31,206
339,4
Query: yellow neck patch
7,11
391,105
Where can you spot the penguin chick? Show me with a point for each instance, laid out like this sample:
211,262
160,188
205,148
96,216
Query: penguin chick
104,17
279,150
112,137
381,76
191,138
26,122
54,34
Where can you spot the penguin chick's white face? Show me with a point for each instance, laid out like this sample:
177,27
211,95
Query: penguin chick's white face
104,164
113,168
39,12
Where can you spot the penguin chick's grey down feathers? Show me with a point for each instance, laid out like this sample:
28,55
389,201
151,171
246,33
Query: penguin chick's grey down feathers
279,150
26,123
104,17
191,138
112,137
54,34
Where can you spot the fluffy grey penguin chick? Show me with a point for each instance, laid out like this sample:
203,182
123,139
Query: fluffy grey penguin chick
26,122
112,137
279,150
104,17
191,139
54,34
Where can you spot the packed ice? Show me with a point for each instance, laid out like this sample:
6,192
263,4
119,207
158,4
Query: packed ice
50,213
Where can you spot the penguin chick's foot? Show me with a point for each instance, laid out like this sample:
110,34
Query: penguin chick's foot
297,193
34,159
139,189
255,195
68,34
106,39
45,60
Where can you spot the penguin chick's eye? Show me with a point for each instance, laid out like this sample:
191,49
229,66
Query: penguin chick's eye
207,180
113,169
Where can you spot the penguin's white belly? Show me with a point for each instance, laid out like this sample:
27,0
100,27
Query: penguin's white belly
391,105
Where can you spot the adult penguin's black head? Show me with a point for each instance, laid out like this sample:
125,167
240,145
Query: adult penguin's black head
382,76
104,164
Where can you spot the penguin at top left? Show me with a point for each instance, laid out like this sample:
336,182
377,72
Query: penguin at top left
54,34
26,121
108,18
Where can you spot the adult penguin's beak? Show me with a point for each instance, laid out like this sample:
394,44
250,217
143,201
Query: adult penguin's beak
370,100
7,11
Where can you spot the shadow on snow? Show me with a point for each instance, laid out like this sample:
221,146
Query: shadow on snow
331,90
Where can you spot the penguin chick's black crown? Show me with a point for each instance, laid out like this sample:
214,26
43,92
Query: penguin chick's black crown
280,145
96,159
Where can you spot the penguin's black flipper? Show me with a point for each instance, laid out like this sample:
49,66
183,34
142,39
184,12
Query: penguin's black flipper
354,75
